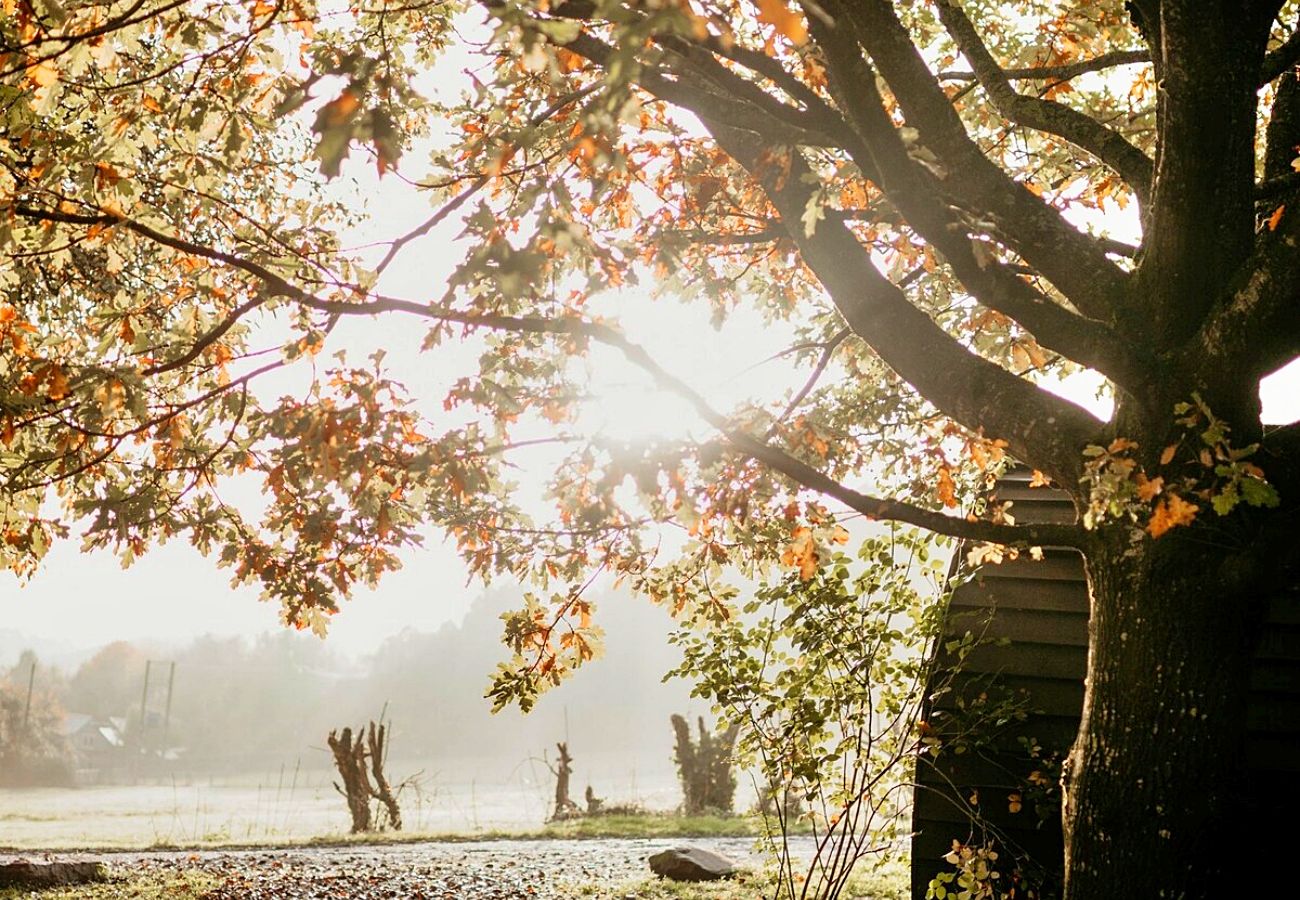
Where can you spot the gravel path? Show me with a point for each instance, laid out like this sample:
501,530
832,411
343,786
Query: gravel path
479,870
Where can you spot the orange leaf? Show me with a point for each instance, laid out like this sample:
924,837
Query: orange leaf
1168,455
1276,217
1148,488
947,490
787,22
1170,513
340,109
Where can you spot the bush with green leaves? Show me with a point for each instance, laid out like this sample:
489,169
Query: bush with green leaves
825,676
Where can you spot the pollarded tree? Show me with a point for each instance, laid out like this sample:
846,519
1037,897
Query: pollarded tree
912,189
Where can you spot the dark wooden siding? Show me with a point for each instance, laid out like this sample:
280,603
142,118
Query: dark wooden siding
1033,617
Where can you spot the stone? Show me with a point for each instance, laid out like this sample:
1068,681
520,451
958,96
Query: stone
23,873
692,864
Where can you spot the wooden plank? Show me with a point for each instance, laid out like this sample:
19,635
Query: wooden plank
1056,565
1023,593
1024,626
1020,491
1036,660
1276,676
1279,642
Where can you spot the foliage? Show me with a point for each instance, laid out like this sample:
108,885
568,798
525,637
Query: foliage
915,195
33,750
887,884
826,678
154,885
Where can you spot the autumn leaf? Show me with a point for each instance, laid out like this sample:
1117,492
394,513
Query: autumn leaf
786,21
1170,513
801,552
1274,219
946,489
1148,488
42,74
1167,456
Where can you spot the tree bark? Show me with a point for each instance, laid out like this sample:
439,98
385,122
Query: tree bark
1154,787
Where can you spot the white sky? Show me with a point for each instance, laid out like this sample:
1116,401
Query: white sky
172,594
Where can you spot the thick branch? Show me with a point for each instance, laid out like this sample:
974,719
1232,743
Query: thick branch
1281,59
915,191
1044,115
1068,258
1256,327
1202,214
964,386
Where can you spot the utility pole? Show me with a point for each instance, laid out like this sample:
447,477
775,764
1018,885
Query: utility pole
144,699
167,710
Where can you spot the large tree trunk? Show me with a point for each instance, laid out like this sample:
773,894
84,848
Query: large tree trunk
1155,783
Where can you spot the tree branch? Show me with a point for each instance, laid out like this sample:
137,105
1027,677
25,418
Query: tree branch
774,457
915,191
969,389
1201,219
1062,72
1048,116
1068,258
1255,328
1280,59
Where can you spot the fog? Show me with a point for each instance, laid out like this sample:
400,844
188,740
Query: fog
235,724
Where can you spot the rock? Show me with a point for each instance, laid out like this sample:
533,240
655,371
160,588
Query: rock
691,864
27,874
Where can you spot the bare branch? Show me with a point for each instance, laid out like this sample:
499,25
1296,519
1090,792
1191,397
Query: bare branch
1063,72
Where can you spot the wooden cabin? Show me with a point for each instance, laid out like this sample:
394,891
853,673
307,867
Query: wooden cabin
1031,618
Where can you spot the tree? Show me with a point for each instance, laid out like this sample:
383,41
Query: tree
33,750
911,189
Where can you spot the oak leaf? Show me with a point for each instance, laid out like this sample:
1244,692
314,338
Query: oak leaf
1170,513
786,21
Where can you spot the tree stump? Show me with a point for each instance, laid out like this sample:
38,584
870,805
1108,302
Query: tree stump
351,753
705,767
565,808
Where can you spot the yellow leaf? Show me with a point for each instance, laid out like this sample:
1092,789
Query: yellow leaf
42,74
787,22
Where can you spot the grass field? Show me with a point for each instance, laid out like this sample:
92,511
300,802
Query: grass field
278,809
